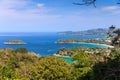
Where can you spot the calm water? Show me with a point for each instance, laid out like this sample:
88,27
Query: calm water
43,43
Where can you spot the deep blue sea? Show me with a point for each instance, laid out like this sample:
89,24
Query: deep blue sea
43,43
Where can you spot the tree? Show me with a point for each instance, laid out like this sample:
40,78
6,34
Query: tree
110,33
109,70
51,68
117,32
111,30
89,2
82,67
21,50
116,40
86,2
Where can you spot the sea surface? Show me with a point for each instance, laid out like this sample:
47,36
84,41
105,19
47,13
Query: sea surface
44,43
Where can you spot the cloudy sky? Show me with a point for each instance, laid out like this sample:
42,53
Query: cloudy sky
56,15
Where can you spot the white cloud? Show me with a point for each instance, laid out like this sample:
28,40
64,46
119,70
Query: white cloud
12,4
110,8
40,5
17,14
15,7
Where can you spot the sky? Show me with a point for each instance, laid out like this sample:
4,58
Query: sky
56,15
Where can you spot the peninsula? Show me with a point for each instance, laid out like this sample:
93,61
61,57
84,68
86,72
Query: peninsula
14,42
95,32
96,40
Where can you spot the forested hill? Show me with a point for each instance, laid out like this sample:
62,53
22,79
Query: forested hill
99,31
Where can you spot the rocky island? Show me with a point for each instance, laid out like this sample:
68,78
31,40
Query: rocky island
14,42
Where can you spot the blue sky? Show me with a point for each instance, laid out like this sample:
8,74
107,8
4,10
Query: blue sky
56,15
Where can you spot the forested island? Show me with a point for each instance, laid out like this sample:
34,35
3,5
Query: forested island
67,41
14,42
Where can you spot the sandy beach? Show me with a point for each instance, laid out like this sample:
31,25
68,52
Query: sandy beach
109,46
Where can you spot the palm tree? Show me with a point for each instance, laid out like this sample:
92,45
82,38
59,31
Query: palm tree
110,34
117,32
111,30
112,27
117,38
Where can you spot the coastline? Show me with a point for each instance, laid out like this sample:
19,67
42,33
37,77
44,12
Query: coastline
106,45
57,55
43,43
109,46
66,58
14,43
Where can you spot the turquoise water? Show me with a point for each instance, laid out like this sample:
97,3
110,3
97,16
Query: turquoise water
70,60
44,43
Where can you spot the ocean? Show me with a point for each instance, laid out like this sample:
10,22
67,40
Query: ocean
43,43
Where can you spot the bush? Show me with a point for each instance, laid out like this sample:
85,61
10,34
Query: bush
21,50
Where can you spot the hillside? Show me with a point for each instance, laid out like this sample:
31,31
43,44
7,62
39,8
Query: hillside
90,64
20,64
98,31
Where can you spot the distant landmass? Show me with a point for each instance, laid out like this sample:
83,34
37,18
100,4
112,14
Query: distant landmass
99,31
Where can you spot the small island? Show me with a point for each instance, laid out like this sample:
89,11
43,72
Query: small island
14,42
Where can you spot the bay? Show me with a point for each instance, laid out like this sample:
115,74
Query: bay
43,43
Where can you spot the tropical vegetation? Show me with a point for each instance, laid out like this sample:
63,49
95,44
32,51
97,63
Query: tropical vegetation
90,64
20,64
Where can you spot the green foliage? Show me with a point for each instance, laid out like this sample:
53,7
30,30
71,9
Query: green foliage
6,72
114,53
14,65
21,50
51,68
114,36
83,66
107,70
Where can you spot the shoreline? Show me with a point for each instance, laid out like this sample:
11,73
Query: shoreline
13,43
10,42
109,46
57,55
105,45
